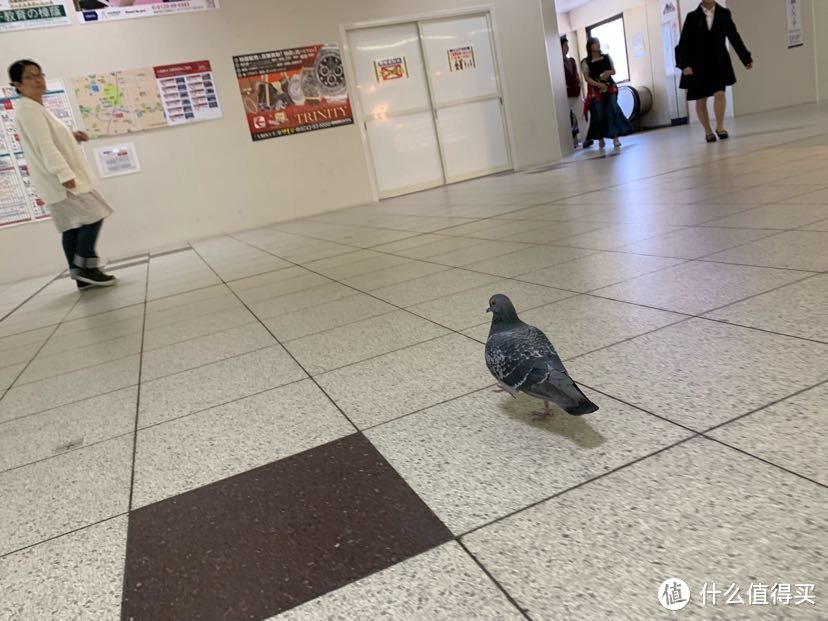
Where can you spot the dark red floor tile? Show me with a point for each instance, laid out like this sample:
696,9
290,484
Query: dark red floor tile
259,543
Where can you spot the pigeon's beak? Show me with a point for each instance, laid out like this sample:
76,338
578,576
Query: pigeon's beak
488,309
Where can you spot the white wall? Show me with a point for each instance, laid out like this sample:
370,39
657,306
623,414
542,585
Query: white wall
210,178
780,77
821,48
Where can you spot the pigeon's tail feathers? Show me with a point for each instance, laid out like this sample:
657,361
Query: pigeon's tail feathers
584,406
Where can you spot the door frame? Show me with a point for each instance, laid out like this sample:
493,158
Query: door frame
416,19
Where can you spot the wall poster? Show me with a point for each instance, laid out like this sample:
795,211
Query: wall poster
92,11
794,23
389,69
19,203
116,160
461,58
24,14
293,90
124,102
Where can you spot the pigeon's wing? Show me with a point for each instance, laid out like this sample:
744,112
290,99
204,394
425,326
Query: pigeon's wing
522,356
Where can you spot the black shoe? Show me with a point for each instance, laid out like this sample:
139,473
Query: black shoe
82,285
710,137
723,135
587,144
94,276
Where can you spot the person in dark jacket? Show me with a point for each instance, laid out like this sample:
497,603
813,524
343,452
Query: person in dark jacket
705,64
573,88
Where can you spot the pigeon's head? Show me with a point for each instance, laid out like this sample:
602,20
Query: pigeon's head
502,309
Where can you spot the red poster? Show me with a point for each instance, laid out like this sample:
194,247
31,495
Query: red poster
294,90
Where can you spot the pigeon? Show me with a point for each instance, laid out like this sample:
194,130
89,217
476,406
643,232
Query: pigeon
522,359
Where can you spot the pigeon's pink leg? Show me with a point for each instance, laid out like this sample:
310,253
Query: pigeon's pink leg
543,415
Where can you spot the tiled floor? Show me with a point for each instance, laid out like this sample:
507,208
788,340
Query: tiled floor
296,422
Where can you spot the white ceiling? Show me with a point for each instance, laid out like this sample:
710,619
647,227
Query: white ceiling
564,6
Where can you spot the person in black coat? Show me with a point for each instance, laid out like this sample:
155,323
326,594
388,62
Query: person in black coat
705,64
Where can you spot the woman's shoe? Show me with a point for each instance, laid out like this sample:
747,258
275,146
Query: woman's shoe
94,276
601,144
616,143
722,134
710,138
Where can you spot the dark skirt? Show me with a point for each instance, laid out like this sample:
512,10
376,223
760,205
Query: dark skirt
701,88
606,120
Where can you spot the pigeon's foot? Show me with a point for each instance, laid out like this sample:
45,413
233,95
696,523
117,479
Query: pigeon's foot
546,413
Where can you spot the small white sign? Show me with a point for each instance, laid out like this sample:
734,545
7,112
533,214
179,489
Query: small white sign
794,23
116,160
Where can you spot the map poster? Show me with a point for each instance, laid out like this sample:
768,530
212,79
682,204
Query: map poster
24,14
461,58
92,11
293,91
135,100
19,202
389,69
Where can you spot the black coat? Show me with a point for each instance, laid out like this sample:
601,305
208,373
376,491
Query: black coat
705,51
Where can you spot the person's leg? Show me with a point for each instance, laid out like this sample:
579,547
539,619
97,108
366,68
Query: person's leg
704,116
719,105
87,239
86,258
69,239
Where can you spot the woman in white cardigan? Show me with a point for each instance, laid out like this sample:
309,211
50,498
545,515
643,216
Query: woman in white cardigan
61,175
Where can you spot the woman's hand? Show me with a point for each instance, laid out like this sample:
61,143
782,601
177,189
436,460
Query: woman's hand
81,136
69,185
749,66
687,71
603,88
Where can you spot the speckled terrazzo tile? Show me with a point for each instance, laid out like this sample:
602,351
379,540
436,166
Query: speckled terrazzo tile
295,325
58,495
553,232
695,242
68,388
616,236
775,217
393,275
9,374
405,381
193,451
432,287
597,270
584,323
699,286
84,357
307,298
427,246
798,310
185,330
702,373
77,576
204,350
481,457
215,384
791,434
700,512
490,229
355,264
796,250
309,523
64,341
361,340
479,252
444,583
282,287
189,304
531,258
822,225
21,347
66,428
468,308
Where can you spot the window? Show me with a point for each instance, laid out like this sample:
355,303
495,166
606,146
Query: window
613,42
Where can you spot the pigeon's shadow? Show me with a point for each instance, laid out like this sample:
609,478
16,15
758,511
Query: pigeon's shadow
574,428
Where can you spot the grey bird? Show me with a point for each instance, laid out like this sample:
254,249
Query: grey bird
522,359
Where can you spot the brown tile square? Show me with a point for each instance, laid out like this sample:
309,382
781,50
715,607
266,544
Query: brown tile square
264,541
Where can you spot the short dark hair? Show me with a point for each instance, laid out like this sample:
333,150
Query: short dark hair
17,68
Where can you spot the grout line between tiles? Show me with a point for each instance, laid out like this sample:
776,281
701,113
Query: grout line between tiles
28,299
69,532
576,486
523,611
